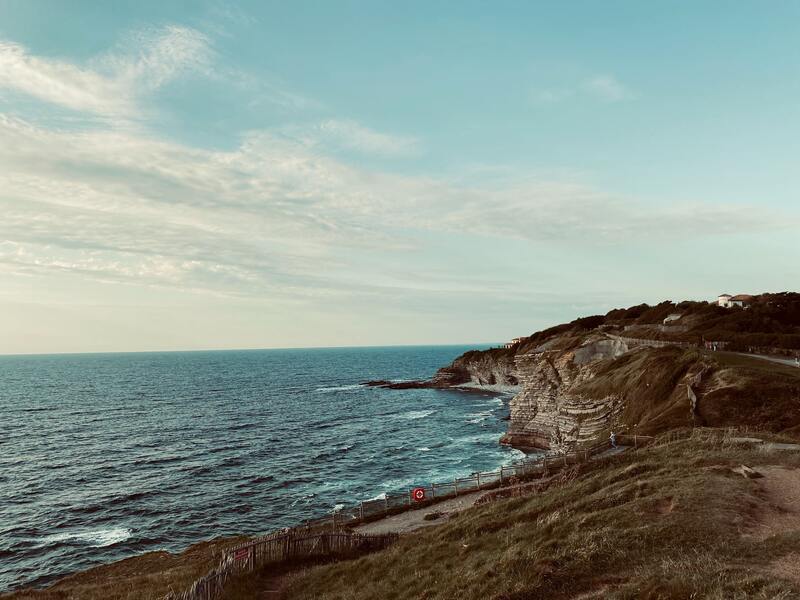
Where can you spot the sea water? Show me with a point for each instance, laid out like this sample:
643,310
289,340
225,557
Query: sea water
105,456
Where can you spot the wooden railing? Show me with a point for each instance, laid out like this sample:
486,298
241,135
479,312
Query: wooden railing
330,536
279,548
393,503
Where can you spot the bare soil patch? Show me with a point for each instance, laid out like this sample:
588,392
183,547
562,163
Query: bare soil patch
780,511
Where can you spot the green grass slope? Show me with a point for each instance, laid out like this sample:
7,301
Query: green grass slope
666,522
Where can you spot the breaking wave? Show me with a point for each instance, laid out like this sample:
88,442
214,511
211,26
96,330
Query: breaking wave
99,538
416,414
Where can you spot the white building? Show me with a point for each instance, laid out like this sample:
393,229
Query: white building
740,300
513,342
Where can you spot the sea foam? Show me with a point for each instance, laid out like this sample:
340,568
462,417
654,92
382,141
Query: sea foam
98,538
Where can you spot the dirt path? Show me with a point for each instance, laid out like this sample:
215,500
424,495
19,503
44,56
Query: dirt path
780,512
415,519
782,361
273,588
411,520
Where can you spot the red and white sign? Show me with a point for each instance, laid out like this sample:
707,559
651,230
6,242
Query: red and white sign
418,494
242,554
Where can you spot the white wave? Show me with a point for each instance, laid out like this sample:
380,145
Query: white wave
424,449
338,507
381,496
516,454
417,414
96,539
339,388
478,417
482,438
307,499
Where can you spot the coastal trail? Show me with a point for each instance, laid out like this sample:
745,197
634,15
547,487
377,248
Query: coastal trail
411,520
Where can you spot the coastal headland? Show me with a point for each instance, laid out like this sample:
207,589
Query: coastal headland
604,528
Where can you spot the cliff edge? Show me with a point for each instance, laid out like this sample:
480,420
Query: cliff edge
643,370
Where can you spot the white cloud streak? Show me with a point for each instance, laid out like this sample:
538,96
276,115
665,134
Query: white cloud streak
277,215
605,88
119,81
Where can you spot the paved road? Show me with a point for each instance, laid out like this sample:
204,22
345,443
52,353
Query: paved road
768,446
782,361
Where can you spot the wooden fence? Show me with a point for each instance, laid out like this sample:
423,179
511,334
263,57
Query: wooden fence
278,548
393,503
330,536
653,343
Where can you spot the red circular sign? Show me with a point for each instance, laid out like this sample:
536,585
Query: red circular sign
418,494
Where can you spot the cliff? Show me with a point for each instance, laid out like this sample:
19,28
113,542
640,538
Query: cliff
577,382
493,369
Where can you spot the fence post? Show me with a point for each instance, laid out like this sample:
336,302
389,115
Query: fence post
501,475
433,490
455,485
361,511
386,502
478,476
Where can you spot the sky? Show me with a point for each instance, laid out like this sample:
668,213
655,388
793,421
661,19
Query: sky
217,174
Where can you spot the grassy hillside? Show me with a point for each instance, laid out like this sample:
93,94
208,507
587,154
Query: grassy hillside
771,320
668,522
146,577
736,391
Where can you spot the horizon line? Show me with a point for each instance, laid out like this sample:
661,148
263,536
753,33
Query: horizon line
186,351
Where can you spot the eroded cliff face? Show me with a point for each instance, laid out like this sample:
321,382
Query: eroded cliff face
489,369
577,381
550,411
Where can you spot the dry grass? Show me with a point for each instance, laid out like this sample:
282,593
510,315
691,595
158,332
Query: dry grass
663,523
146,577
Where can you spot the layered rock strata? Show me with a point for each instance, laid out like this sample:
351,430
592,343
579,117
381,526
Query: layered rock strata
549,412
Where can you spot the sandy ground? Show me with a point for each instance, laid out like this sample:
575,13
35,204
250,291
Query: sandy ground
781,509
414,519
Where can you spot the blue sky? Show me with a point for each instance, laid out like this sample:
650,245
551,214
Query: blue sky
181,175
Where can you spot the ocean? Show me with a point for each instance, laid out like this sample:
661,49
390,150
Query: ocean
105,456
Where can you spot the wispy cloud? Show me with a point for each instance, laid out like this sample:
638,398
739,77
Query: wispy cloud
287,212
606,88
347,134
277,216
115,84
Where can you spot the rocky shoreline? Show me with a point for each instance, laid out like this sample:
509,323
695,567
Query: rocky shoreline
574,383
